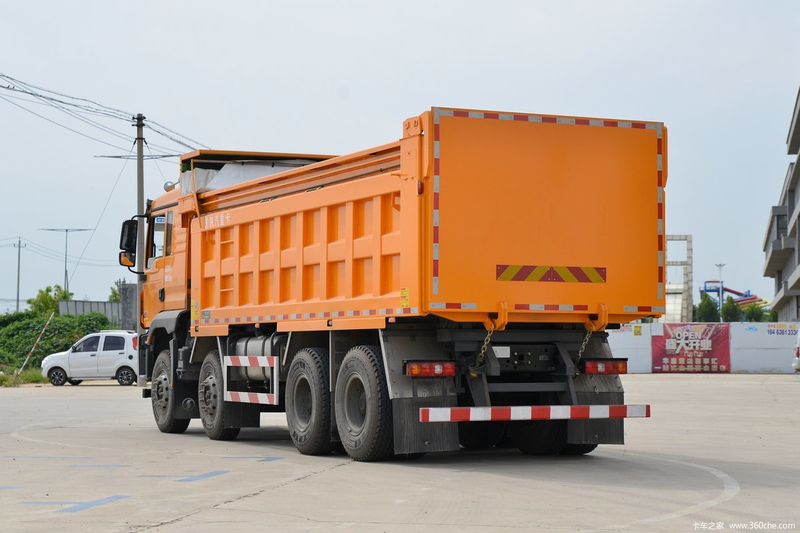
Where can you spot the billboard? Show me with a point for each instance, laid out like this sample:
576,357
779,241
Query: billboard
692,348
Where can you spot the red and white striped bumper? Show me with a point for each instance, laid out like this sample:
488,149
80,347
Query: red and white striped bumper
531,412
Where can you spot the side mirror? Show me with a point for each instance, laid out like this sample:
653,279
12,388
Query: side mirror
127,237
127,259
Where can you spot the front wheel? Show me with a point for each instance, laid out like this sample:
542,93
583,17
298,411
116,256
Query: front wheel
125,376
363,408
163,398
57,377
213,412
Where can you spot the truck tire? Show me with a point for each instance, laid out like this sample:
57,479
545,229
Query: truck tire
211,400
162,398
540,437
578,449
308,402
363,407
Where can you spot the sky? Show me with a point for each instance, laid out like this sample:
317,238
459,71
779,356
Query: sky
338,77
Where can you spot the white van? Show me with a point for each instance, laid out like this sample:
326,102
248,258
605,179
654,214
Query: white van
104,355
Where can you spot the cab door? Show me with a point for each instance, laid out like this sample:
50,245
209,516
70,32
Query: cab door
83,358
153,287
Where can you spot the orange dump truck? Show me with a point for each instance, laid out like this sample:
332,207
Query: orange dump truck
449,289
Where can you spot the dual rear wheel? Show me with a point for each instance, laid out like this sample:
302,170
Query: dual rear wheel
363,416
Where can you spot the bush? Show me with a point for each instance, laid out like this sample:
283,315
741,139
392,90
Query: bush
17,338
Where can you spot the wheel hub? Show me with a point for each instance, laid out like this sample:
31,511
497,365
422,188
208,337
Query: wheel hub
161,391
208,396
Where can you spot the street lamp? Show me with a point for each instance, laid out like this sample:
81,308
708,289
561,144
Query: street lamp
66,244
719,266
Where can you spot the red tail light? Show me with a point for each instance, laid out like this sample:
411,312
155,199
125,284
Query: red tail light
135,343
605,366
797,353
430,369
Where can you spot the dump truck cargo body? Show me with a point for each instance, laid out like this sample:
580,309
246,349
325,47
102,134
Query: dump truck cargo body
535,227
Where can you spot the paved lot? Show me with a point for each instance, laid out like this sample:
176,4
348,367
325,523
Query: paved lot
89,458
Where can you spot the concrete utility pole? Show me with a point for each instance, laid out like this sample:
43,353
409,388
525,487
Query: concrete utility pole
19,246
139,211
66,247
719,266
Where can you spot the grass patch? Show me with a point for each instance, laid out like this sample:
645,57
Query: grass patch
31,375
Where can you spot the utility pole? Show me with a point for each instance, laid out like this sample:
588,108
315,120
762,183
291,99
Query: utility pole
719,266
139,211
19,246
66,247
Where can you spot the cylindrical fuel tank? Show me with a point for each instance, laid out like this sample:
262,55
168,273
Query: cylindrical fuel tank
255,347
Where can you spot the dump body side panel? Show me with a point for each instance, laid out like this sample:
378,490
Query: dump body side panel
553,216
339,256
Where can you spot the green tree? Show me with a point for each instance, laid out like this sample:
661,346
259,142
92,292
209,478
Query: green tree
115,295
754,313
773,316
46,301
707,310
731,311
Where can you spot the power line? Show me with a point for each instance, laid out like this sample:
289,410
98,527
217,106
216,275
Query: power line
103,212
60,125
95,108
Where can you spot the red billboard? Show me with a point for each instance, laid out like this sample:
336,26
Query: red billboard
704,348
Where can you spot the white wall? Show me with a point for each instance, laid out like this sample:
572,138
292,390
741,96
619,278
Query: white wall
633,341
759,347
762,346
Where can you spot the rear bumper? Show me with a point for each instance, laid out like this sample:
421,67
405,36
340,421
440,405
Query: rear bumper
532,412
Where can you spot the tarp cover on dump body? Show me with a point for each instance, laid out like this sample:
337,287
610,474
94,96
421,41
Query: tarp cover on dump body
552,215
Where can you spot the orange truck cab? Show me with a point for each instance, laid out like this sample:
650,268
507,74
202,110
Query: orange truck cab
449,289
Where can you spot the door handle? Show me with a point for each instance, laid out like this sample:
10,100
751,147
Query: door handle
161,295
92,355
122,353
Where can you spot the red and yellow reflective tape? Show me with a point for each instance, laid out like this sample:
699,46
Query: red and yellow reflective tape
564,274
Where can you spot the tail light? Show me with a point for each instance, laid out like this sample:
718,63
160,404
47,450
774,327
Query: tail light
797,353
135,343
430,369
604,366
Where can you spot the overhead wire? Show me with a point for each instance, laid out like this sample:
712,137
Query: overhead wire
103,212
61,125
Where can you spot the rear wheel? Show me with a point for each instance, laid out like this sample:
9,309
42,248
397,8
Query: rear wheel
578,449
213,411
163,399
308,402
125,376
363,408
540,437
57,376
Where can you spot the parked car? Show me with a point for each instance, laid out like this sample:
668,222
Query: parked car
104,355
796,362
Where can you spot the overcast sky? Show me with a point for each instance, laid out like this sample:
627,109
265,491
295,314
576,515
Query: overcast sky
337,77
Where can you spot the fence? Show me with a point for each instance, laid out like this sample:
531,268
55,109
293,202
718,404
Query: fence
759,347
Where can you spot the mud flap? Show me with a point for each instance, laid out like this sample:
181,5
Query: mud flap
412,436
